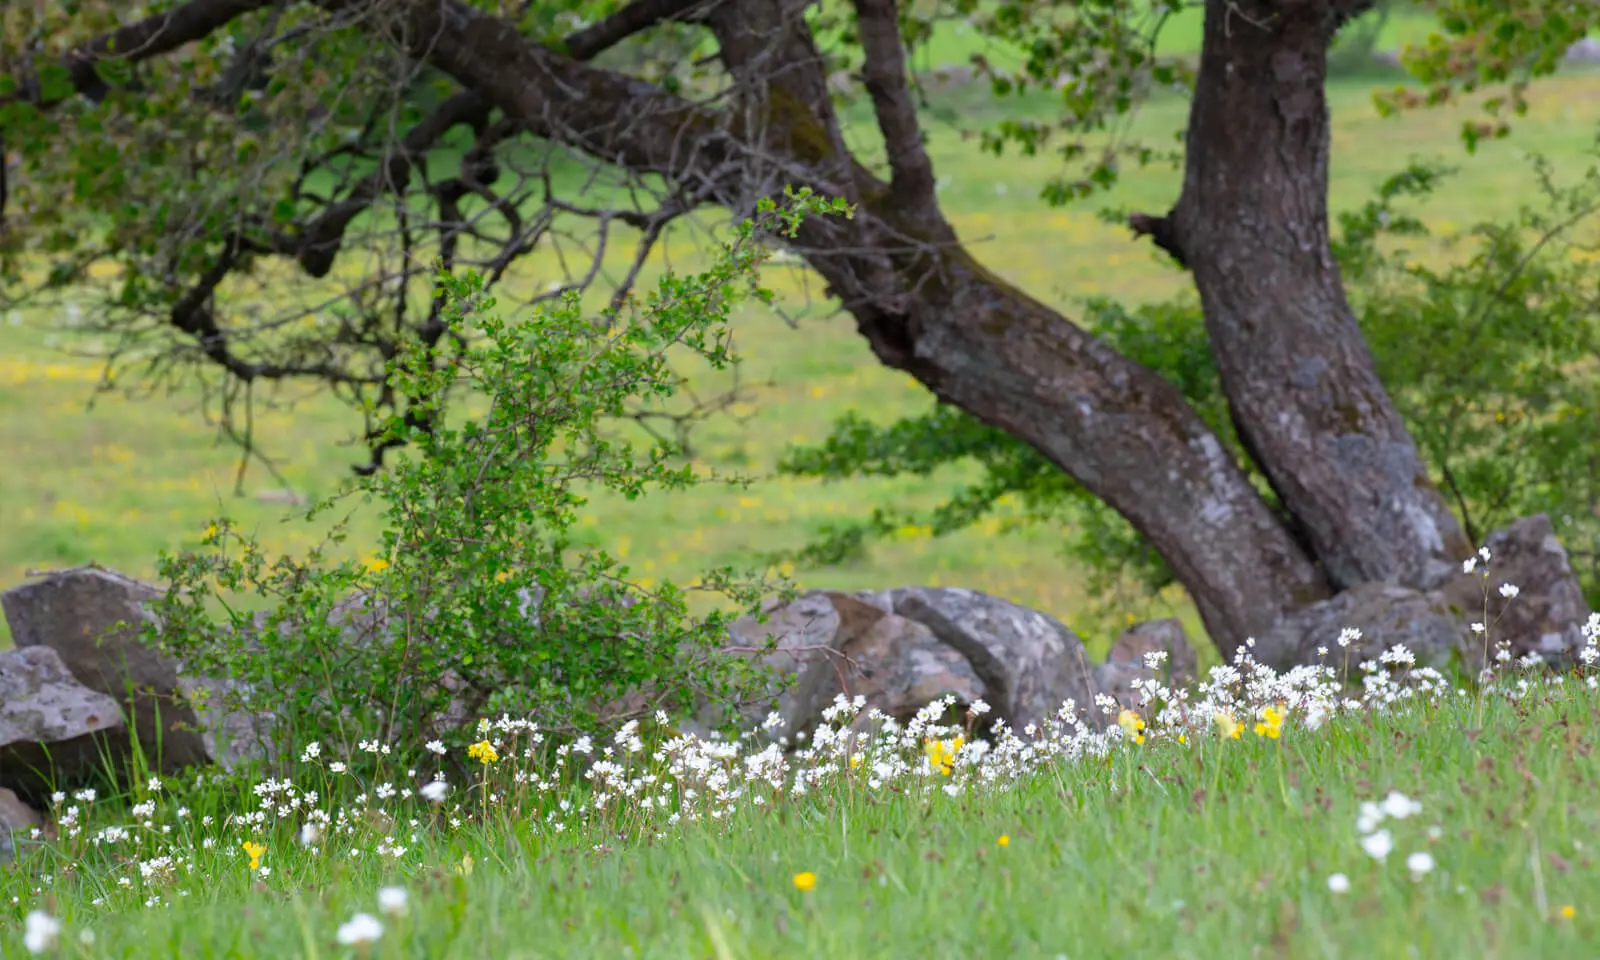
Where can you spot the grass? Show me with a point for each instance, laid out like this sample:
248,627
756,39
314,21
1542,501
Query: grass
1209,847
1093,846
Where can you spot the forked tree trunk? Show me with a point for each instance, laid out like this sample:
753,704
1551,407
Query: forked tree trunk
1252,225
1252,222
921,301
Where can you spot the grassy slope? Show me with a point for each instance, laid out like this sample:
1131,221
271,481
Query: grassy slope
1218,849
119,483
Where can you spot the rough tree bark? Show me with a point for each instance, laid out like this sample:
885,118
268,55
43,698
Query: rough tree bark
1252,226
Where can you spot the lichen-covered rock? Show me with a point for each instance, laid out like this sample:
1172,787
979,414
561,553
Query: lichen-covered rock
16,817
53,729
1547,613
1029,663
77,614
1126,664
1386,615
830,643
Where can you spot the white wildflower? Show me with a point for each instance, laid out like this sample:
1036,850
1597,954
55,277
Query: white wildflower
40,931
1377,845
363,928
392,900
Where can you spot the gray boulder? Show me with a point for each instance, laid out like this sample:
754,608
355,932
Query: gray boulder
831,644
92,618
16,817
54,731
1125,664
1547,614
1030,663
1386,615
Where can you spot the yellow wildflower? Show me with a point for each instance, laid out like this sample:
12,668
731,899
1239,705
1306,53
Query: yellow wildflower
254,852
1227,725
1271,722
805,881
377,564
211,531
855,761
942,753
1004,841
1132,725
483,751
1567,911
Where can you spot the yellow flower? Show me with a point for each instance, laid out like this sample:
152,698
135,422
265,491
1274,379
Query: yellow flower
483,751
377,564
805,881
1567,911
1004,841
1226,724
855,761
210,532
1271,723
942,753
1131,725
254,852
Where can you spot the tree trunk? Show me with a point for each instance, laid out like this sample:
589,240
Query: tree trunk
922,302
1116,427
1252,225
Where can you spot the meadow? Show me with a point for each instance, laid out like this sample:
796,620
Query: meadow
1264,815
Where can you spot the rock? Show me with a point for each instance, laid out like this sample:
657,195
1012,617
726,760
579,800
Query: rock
1547,614
1545,617
53,729
236,725
831,643
1125,663
15,817
901,667
1586,50
1386,615
1029,663
76,613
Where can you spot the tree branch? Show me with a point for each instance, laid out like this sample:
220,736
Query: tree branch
1162,231
324,236
148,38
884,74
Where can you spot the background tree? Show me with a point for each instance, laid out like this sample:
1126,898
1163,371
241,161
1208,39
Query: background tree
207,143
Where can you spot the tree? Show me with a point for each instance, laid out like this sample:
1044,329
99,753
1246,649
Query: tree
269,130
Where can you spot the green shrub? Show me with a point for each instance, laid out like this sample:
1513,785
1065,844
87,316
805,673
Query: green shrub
477,512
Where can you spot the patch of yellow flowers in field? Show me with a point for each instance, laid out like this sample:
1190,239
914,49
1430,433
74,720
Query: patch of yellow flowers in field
254,851
942,753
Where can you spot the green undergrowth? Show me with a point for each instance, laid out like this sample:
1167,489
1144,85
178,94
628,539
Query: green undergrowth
1213,847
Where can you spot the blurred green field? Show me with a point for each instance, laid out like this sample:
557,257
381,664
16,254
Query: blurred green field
128,478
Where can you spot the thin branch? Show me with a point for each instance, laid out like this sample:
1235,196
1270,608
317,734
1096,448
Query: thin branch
148,38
